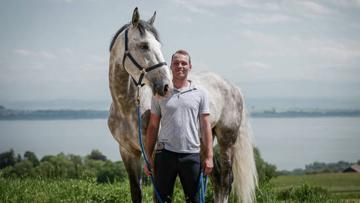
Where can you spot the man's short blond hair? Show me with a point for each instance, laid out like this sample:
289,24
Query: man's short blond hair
182,52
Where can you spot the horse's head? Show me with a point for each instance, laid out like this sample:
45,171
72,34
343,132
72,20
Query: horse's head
137,49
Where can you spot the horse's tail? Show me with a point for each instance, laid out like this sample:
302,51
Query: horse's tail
244,168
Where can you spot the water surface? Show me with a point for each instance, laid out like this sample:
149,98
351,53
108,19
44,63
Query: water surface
286,142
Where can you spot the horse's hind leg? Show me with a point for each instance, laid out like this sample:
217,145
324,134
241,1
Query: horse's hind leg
222,175
133,167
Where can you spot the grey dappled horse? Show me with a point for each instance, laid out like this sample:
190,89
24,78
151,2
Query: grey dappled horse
136,57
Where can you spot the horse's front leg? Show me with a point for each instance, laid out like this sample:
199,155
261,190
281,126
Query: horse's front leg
133,165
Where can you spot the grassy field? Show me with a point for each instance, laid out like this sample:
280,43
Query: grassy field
342,185
341,188
37,190
46,190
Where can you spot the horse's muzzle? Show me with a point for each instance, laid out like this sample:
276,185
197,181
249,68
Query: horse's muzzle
161,89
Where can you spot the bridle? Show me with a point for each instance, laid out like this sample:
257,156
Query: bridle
132,59
139,84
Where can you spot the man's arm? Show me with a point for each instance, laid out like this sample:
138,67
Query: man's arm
207,142
151,137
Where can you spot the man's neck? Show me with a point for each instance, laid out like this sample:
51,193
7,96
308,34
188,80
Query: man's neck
178,84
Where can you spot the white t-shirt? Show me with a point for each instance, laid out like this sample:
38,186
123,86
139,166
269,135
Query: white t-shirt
180,113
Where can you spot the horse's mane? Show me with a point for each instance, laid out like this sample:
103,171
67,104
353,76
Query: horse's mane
142,26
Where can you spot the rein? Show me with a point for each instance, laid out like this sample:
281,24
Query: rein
158,197
139,84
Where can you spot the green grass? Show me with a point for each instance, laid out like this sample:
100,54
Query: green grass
37,190
47,190
342,185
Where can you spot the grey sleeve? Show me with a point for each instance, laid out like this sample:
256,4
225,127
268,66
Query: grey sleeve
204,104
155,106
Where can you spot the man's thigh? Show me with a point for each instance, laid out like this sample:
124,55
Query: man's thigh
165,173
189,172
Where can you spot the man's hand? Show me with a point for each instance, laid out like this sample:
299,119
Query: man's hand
151,136
146,170
208,166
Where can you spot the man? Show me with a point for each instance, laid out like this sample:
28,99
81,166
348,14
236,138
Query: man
178,142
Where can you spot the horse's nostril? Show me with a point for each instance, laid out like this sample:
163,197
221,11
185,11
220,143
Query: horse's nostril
166,88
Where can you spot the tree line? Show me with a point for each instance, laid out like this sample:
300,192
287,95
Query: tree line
61,166
321,167
94,165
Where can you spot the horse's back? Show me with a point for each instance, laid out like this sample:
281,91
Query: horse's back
225,99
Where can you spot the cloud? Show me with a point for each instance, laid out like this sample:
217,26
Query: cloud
347,3
258,37
224,3
204,6
194,8
181,19
22,52
307,8
72,1
342,51
254,65
46,54
328,50
314,8
31,53
251,18
66,51
207,3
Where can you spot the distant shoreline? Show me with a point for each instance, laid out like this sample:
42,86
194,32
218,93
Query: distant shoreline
7,114
10,114
306,114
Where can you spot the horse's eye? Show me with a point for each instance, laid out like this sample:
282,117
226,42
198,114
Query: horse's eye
144,46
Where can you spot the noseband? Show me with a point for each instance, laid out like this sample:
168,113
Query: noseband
132,59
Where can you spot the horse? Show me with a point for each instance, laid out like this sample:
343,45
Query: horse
137,70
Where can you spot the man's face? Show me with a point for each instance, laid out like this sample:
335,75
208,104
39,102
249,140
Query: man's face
180,66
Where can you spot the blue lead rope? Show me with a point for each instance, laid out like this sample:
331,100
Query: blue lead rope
202,185
158,197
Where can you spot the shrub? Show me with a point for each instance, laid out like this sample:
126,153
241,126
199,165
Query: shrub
111,172
265,170
97,155
7,159
265,193
305,193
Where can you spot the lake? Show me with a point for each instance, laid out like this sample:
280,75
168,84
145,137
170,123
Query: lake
288,143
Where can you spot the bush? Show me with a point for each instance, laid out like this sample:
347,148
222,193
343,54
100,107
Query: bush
305,193
7,159
265,170
265,193
96,155
28,155
63,166
111,172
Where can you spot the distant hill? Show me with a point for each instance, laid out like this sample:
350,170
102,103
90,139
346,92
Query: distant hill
11,114
306,113
8,114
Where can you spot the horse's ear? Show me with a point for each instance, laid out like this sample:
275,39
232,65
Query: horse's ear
136,17
152,19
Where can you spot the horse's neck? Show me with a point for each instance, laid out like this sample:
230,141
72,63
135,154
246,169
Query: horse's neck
123,92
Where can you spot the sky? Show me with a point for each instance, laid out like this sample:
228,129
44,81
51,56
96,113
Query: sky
58,50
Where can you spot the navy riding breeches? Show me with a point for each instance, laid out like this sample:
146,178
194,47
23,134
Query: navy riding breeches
168,165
